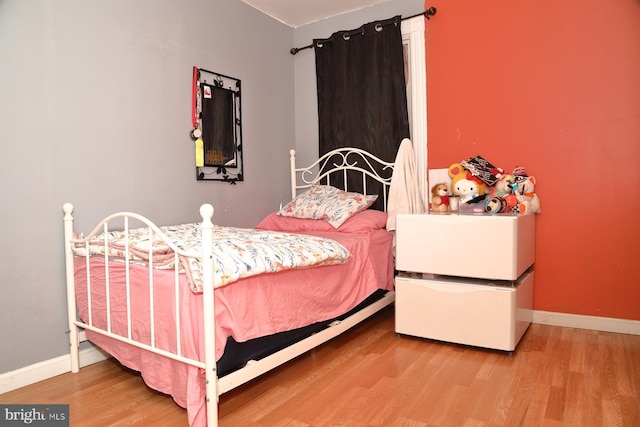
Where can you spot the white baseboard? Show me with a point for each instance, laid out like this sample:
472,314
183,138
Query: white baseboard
604,324
47,369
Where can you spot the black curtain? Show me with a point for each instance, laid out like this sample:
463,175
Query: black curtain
362,99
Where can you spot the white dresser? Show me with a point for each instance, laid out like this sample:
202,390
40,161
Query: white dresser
466,279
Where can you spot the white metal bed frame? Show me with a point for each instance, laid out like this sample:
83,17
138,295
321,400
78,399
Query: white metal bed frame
340,160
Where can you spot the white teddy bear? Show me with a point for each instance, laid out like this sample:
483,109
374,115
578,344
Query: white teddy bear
528,200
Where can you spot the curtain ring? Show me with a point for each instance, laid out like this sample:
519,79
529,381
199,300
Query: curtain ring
346,36
318,44
378,28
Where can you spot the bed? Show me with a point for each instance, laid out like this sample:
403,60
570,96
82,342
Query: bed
196,324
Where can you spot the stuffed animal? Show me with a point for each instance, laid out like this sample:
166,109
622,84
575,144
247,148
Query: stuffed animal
528,200
464,184
503,186
440,198
500,196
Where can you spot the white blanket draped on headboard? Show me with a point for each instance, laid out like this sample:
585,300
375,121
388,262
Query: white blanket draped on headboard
404,192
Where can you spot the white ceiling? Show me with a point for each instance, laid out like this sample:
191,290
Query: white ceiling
295,13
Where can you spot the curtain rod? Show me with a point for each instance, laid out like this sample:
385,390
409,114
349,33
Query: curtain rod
427,14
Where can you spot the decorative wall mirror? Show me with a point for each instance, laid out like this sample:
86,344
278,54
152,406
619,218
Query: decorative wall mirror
217,126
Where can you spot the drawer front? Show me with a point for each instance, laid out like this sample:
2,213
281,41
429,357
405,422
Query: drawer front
486,247
478,315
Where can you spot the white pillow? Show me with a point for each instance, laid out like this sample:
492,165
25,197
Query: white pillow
328,203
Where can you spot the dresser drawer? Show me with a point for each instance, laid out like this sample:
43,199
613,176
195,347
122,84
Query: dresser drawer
480,246
465,311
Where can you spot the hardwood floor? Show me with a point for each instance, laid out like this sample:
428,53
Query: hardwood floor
372,377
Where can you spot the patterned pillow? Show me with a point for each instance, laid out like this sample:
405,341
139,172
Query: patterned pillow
367,221
327,203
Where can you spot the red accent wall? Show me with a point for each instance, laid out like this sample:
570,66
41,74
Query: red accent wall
555,87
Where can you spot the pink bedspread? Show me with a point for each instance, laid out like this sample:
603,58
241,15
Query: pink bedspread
252,307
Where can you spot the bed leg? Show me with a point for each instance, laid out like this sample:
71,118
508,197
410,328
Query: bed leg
74,343
74,350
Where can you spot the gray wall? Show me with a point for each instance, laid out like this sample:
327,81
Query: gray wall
95,102
95,109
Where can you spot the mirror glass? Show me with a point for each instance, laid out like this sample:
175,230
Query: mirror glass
218,127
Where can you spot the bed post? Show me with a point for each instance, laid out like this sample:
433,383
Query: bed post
292,158
74,343
211,376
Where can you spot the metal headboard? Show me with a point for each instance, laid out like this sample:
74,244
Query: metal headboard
341,161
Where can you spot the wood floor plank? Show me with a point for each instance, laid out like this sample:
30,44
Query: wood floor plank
556,402
373,377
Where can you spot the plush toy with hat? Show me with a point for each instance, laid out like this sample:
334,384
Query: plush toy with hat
524,190
464,184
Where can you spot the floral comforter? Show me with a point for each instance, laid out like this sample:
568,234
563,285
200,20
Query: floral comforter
237,252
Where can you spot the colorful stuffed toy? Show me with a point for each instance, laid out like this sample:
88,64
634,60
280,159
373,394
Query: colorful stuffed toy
524,190
503,186
500,198
464,184
440,198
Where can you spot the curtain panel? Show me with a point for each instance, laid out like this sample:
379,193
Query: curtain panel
362,99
